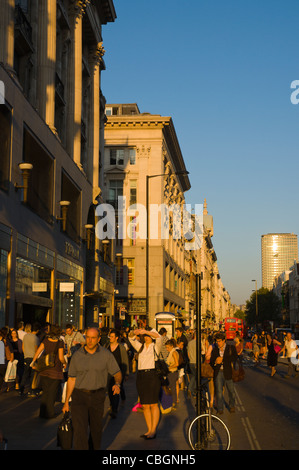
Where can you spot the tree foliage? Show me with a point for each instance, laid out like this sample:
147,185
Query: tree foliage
269,307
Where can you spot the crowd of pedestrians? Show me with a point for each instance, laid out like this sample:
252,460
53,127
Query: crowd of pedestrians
93,364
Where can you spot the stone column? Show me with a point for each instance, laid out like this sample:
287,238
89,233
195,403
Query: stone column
74,98
95,61
47,61
7,33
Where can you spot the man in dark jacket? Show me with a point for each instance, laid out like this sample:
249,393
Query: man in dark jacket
222,358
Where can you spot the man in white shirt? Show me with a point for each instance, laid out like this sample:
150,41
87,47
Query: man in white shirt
289,349
21,330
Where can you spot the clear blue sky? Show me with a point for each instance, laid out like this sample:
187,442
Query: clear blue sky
222,69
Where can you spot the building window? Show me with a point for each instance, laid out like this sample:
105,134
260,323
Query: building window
132,156
115,191
133,226
41,183
131,272
133,192
70,192
117,156
5,145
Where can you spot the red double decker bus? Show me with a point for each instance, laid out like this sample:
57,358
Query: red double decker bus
230,327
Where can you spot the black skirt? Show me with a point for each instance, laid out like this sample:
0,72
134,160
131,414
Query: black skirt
148,386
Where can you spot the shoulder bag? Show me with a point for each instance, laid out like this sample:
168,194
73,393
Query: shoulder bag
238,373
207,370
161,368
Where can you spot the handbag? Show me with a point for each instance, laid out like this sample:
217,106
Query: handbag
207,370
11,371
65,433
161,368
238,373
277,348
46,361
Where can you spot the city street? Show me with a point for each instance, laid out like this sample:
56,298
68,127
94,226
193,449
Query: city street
266,418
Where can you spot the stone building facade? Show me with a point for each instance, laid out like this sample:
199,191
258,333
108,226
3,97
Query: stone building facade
52,121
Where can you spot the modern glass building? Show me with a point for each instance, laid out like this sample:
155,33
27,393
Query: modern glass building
279,251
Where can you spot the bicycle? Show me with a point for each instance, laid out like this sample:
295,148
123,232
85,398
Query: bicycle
207,431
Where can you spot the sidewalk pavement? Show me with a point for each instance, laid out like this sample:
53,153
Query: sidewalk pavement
123,433
21,425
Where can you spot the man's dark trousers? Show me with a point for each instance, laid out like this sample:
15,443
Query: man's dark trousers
87,409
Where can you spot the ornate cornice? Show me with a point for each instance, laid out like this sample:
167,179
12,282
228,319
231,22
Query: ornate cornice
96,54
78,7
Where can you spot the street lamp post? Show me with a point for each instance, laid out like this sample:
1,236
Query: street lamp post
148,177
198,342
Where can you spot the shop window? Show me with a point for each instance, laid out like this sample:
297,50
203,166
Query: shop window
32,279
41,183
5,145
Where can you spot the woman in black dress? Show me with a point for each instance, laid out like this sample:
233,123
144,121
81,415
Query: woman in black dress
272,354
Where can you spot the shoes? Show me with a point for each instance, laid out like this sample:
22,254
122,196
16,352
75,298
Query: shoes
287,376
173,408
150,437
220,412
232,409
113,414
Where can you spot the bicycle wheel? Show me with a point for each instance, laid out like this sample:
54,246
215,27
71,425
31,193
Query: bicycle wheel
208,432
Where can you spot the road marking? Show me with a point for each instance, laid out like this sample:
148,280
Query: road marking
254,444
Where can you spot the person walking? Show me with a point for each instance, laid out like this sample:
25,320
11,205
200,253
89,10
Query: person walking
272,357
73,340
239,346
263,340
173,363
86,385
147,382
6,355
16,344
50,378
122,359
164,351
222,358
29,347
288,350
256,348
191,351
3,360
